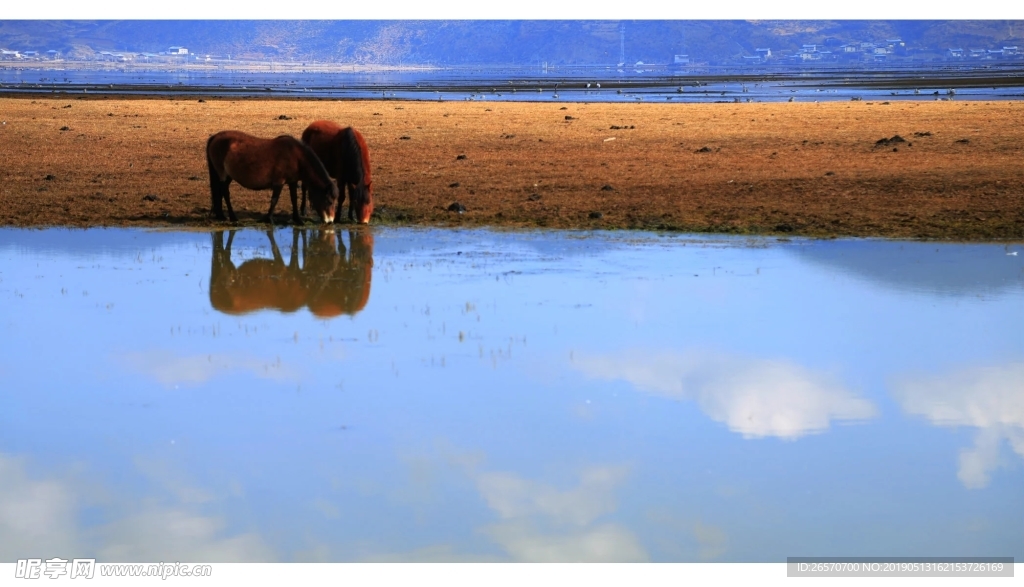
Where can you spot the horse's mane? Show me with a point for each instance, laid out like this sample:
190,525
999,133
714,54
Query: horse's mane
314,161
356,147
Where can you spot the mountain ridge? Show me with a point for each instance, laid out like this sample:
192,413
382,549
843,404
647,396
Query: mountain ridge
498,42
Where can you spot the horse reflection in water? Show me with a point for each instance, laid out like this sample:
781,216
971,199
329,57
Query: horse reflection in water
331,281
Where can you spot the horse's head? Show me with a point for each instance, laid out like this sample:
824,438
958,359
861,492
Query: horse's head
324,200
362,201
343,288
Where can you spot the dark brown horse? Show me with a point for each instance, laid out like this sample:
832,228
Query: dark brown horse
260,164
329,282
347,159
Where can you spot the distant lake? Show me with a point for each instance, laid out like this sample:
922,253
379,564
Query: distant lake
568,84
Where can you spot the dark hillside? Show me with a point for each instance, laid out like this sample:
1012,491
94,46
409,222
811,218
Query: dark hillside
519,42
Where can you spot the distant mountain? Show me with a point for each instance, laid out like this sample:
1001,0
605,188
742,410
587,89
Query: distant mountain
523,42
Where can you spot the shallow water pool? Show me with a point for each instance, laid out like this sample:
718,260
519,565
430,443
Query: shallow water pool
418,394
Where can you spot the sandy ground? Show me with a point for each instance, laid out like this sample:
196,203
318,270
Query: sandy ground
813,169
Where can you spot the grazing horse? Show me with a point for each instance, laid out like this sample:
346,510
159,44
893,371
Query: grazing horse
347,289
260,164
259,284
347,159
329,282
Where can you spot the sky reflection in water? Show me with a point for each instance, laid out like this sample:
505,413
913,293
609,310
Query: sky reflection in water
405,394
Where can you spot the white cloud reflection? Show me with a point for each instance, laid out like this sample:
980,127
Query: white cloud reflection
754,397
712,540
442,553
989,398
512,496
542,523
159,532
170,369
536,521
41,517
524,542
36,515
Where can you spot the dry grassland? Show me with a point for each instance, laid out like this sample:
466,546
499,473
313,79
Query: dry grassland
781,168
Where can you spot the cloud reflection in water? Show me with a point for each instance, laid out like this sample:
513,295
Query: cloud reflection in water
171,370
755,397
43,517
541,523
989,398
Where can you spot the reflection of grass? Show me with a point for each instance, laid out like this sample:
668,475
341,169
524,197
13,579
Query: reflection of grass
785,168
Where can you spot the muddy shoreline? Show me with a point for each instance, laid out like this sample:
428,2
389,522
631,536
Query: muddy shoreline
945,170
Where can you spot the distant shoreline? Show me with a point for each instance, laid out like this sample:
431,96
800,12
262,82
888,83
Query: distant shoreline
939,69
565,83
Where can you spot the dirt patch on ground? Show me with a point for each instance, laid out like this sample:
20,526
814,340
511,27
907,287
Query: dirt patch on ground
818,169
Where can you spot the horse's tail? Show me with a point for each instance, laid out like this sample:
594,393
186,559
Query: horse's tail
353,150
214,178
357,172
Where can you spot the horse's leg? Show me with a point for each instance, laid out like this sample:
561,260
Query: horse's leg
342,249
293,261
341,199
218,253
295,204
351,203
221,269
273,202
216,197
305,189
218,191
278,258
227,200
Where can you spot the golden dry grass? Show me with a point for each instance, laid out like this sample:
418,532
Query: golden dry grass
794,168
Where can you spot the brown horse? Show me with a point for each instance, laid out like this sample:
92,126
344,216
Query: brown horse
346,288
329,283
347,159
260,164
259,284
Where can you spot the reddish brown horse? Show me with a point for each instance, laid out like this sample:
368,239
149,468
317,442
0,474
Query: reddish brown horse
261,164
330,283
346,289
259,284
347,159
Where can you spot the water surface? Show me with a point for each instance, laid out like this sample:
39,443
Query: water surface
415,394
531,84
